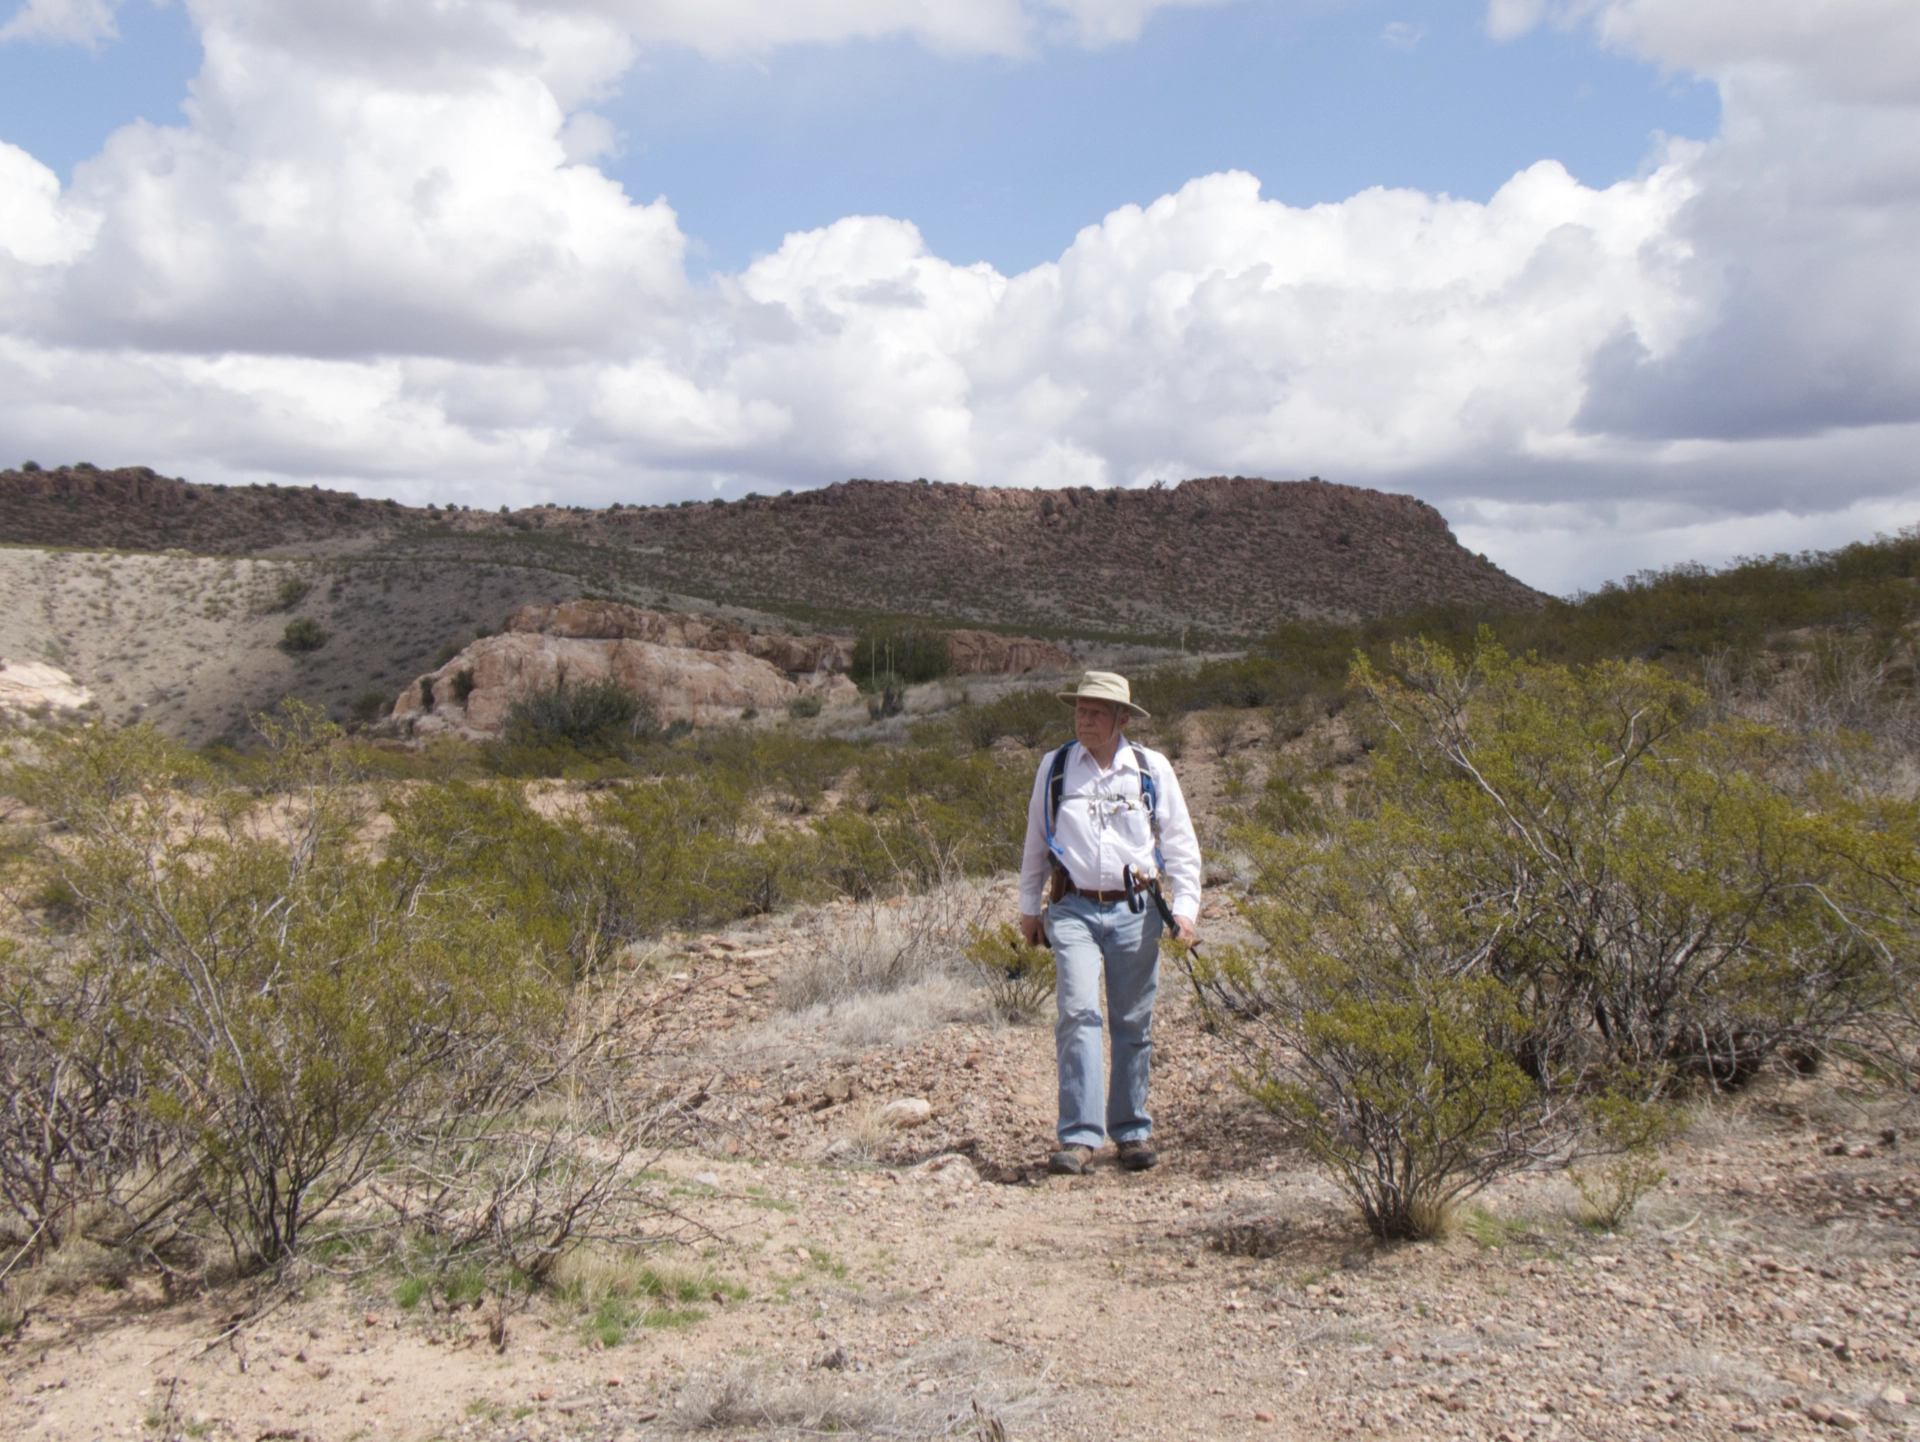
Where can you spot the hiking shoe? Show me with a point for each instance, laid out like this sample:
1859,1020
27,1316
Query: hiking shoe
1070,1161
1138,1156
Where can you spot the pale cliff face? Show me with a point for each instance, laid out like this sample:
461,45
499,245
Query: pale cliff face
33,687
682,684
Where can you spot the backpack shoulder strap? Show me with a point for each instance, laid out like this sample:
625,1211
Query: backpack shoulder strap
1149,793
1056,788
1149,798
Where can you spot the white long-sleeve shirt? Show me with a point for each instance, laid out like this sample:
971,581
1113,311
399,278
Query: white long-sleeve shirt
1103,827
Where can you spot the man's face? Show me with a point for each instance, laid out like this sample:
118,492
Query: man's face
1096,723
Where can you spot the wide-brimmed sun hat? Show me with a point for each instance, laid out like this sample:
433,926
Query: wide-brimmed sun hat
1104,686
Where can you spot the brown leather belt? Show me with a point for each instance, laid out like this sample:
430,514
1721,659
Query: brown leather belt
1102,896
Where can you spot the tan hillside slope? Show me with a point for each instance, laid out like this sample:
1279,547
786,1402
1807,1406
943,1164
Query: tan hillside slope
1217,559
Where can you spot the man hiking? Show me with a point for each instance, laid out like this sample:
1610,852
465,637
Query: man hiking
1112,859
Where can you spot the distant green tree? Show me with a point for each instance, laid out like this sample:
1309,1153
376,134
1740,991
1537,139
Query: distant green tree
892,654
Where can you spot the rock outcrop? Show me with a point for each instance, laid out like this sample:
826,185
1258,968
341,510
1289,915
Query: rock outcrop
472,695
984,653
699,669
688,668
612,621
31,688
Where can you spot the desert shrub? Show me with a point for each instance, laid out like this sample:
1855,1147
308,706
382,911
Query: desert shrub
804,708
1390,1063
1610,1190
583,713
1570,896
574,892
278,1007
1221,729
1019,978
1677,897
463,685
1033,717
369,707
880,972
1287,806
73,1124
303,633
290,593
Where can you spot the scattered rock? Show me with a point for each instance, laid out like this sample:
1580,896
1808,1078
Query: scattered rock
907,1112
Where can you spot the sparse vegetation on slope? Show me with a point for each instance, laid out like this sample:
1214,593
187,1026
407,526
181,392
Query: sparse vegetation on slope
1209,560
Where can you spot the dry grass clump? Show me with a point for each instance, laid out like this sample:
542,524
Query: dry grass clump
1256,1237
885,946
968,1400
880,972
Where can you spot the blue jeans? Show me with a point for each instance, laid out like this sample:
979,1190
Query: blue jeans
1091,937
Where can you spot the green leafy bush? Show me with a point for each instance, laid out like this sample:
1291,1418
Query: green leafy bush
251,1001
303,633
1019,978
583,713
1675,897
804,708
291,592
1572,895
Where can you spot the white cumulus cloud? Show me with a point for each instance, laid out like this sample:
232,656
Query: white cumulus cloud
377,254
73,22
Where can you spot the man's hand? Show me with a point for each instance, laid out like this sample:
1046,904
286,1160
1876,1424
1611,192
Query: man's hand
1186,929
1034,933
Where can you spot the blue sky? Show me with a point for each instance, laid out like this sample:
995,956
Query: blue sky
1004,159
1613,283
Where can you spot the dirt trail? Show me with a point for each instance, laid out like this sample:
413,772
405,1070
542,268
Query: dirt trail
1770,1289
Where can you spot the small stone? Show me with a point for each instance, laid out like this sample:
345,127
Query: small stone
705,1179
905,1113
1893,1397
1263,1416
1843,1419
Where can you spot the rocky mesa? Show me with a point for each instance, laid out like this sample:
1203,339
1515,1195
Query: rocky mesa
1217,559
